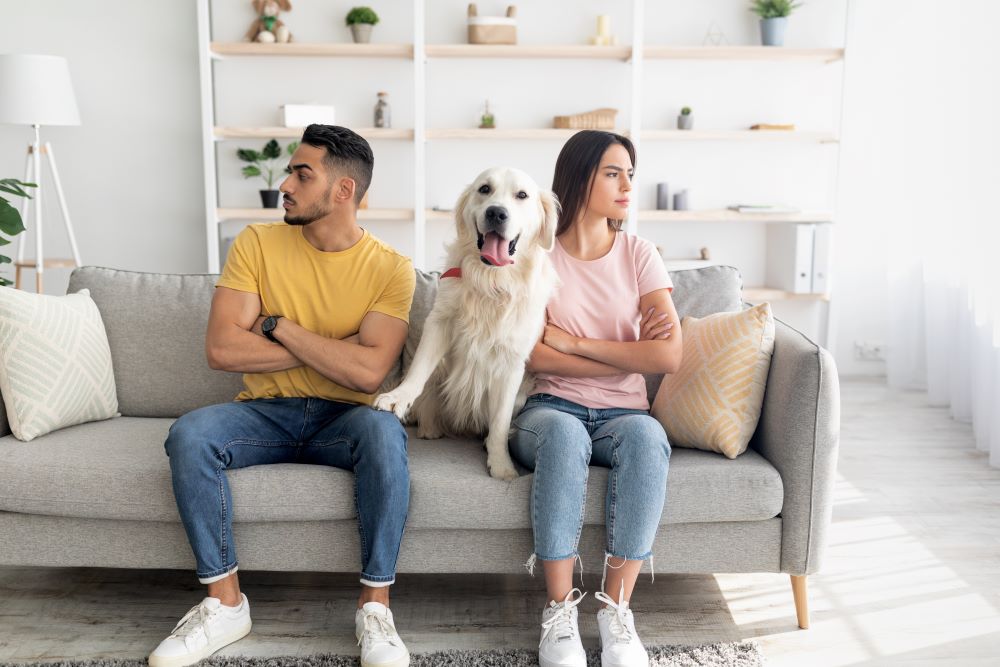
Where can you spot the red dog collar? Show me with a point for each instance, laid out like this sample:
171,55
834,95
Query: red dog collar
452,273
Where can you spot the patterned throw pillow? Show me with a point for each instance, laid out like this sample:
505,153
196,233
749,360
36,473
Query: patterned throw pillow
714,400
55,363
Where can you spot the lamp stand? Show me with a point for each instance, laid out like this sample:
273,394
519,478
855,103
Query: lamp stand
33,174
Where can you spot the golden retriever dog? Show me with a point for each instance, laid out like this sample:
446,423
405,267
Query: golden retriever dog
467,376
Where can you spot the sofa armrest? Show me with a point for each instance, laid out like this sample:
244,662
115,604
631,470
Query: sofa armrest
799,434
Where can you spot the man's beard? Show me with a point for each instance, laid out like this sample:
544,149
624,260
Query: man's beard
319,209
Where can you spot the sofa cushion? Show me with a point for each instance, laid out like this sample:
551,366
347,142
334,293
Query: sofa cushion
698,293
55,365
424,294
713,401
450,489
118,469
156,329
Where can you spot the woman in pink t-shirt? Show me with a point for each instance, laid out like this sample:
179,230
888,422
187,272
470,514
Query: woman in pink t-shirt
611,321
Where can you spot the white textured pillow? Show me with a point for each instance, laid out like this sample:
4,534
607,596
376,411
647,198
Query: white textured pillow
714,399
55,363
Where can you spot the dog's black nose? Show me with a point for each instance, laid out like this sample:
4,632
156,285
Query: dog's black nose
496,215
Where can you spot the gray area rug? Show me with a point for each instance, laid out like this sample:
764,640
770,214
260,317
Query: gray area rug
724,654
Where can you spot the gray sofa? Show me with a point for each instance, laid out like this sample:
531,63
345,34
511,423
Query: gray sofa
99,494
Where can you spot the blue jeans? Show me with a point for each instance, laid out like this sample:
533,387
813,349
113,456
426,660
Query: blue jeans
560,439
205,442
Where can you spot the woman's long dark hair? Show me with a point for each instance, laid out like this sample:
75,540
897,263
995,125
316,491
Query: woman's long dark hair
576,168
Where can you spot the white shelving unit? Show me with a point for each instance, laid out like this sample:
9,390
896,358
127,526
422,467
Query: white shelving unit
633,56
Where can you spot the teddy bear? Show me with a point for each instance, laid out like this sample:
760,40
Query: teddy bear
267,27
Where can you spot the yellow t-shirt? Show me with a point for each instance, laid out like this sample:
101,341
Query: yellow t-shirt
328,293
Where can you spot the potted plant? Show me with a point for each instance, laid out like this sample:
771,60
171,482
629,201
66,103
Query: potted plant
685,121
487,121
264,163
773,19
361,20
10,218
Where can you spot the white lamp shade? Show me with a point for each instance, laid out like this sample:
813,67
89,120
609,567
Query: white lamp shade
36,90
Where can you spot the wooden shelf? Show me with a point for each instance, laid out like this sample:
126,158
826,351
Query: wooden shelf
337,50
761,294
725,215
772,53
272,214
372,133
296,133
740,135
438,216
564,51
580,51
51,263
502,133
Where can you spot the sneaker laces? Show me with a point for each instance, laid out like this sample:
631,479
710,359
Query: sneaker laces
197,618
619,628
378,629
562,620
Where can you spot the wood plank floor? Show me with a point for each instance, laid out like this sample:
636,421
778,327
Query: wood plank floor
911,577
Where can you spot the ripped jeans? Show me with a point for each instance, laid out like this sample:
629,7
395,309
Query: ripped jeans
560,440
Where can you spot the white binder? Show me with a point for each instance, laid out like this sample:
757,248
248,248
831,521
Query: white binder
790,257
821,259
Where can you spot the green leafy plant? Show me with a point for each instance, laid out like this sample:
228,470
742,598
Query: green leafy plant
686,111
264,163
10,218
362,15
774,9
487,120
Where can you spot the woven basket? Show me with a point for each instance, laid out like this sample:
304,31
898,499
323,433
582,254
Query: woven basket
492,29
598,119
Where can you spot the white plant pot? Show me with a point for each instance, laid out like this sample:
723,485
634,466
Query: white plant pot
362,32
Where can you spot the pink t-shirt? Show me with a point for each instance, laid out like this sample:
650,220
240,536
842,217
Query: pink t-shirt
600,299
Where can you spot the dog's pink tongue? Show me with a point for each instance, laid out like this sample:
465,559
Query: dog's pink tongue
496,250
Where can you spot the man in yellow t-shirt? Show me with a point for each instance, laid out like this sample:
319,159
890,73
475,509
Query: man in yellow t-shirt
314,312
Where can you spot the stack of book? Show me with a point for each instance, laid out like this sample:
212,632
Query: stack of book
763,208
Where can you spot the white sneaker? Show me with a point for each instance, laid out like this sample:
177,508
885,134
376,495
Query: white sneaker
377,636
620,645
204,630
560,645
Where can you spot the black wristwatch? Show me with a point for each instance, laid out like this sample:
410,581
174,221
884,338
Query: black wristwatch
267,328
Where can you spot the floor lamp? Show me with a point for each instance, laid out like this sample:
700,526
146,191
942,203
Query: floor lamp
36,90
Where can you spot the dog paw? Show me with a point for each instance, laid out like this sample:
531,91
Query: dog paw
395,402
501,468
430,432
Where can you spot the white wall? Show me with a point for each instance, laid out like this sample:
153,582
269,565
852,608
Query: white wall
133,170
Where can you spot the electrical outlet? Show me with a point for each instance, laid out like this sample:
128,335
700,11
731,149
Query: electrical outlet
868,351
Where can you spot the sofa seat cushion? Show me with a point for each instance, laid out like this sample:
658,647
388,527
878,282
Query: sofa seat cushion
451,489
118,469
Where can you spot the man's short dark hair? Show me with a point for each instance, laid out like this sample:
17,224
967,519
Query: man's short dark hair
347,153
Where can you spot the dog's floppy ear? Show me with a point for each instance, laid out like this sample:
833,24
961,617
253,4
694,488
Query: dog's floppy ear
461,228
550,220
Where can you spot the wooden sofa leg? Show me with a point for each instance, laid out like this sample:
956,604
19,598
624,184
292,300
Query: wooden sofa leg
801,595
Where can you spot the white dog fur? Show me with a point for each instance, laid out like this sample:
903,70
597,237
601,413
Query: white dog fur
468,375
